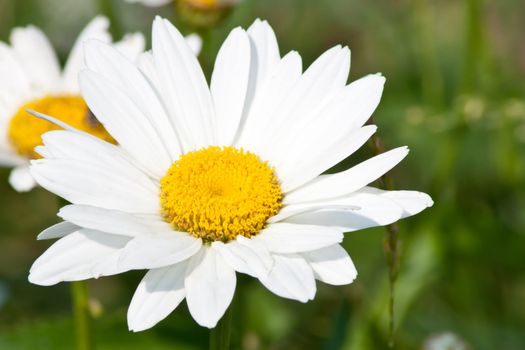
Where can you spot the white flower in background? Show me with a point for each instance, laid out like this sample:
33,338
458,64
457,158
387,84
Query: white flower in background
196,3
445,341
210,181
151,3
31,77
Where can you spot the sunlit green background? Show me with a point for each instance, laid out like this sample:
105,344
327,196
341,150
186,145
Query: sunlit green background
455,94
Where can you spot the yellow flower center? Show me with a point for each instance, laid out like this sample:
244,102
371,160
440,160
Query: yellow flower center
203,3
218,193
25,131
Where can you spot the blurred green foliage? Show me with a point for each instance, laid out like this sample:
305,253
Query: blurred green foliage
454,94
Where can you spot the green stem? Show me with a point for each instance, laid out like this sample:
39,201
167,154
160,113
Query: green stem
81,314
80,308
391,243
220,335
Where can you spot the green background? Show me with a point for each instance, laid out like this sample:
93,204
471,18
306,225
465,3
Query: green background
455,74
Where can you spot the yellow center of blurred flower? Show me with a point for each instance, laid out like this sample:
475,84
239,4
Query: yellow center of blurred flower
25,131
218,193
203,3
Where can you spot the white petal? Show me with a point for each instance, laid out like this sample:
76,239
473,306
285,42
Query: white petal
348,181
264,62
124,120
45,152
344,113
194,41
87,148
107,266
332,265
58,230
321,81
72,257
292,238
372,210
121,72
82,183
35,53
358,101
315,158
268,99
15,79
412,202
146,65
96,29
112,221
266,52
246,256
184,86
335,124
210,285
10,102
296,209
21,180
158,294
229,84
158,250
291,277
9,159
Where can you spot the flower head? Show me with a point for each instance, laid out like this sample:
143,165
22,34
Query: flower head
32,79
207,181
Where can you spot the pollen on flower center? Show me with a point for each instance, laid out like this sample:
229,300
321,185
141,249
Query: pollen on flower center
218,193
25,131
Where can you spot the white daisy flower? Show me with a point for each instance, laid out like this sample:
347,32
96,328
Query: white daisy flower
212,180
32,78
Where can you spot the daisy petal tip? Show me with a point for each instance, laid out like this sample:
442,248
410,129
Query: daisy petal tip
33,278
402,151
135,326
132,327
429,202
208,322
42,236
209,325
257,21
101,20
304,300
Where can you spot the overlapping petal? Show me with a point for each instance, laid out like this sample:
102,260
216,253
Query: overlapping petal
73,257
210,285
158,294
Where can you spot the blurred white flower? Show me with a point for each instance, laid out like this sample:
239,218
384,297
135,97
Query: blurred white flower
445,341
152,3
207,181
32,78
